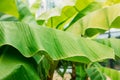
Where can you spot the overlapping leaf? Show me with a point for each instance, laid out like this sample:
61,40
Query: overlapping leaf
90,8
57,44
100,20
57,16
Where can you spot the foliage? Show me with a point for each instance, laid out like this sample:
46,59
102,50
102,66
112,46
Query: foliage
13,11
14,66
37,52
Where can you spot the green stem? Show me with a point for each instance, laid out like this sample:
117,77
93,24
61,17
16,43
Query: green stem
52,69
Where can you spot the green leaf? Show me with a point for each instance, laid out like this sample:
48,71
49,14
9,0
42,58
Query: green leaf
57,16
14,66
111,73
91,7
80,71
102,19
95,73
113,43
57,44
9,7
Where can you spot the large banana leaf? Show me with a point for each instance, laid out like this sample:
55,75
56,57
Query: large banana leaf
57,16
30,40
113,43
9,7
100,20
13,66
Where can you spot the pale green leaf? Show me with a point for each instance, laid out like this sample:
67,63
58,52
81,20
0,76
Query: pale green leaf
57,16
100,20
91,7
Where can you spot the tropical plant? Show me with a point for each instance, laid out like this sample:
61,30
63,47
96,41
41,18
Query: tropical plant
39,50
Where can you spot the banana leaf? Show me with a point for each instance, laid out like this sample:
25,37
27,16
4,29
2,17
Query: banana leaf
10,9
30,40
98,21
94,72
59,17
14,66
90,8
